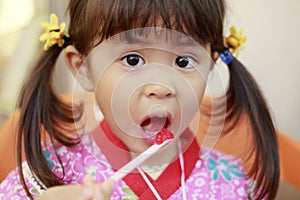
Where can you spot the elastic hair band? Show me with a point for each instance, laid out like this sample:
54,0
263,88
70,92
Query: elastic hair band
54,34
234,43
226,56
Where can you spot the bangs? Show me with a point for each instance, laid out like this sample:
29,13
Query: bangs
202,20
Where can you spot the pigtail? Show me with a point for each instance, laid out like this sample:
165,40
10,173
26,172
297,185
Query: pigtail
43,116
244,95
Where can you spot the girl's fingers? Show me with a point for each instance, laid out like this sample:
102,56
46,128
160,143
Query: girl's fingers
101,191
106,189
86,193
98,193
90,190
67,192
108,185
88,180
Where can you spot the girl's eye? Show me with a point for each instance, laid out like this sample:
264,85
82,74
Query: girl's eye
133,60
185,62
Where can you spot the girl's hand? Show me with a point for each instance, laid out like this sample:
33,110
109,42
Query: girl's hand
90,190
99,191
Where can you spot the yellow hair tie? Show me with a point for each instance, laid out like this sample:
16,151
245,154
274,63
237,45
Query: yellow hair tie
235,41
54,34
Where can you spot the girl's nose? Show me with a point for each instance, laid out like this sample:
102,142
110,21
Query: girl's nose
157,91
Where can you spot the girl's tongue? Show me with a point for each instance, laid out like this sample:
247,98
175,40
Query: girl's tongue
151,126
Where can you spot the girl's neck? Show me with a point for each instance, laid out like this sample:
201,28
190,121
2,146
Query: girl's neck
156,164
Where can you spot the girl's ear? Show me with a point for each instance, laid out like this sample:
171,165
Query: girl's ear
215,56
79,68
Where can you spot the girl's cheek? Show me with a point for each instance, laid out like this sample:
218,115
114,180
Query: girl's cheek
198,85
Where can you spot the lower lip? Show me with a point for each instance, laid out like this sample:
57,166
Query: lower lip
148,137
151,138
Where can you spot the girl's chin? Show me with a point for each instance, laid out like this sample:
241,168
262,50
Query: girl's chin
139,146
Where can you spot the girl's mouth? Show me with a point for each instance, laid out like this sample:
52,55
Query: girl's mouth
153,125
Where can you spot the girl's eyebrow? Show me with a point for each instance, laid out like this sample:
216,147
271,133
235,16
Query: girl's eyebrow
131,40
187,42
179,42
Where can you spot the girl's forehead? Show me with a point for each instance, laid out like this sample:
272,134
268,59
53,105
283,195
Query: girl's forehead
153,37
155,34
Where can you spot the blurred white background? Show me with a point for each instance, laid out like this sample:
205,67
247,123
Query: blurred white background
271,53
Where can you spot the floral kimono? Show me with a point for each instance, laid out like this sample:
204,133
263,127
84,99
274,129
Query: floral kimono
198,174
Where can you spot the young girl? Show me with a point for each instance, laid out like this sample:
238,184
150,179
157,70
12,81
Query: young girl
147,63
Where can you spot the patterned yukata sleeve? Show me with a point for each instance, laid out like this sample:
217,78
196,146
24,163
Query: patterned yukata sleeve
228,174
12,189
250,187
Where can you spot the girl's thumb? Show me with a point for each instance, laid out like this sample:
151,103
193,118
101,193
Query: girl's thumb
88,180
108,185
107,188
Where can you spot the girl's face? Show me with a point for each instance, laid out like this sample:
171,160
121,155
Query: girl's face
146,82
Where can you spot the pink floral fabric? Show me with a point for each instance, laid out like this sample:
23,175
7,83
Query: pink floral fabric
215,176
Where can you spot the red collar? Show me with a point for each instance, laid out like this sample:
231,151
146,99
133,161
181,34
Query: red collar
166,184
